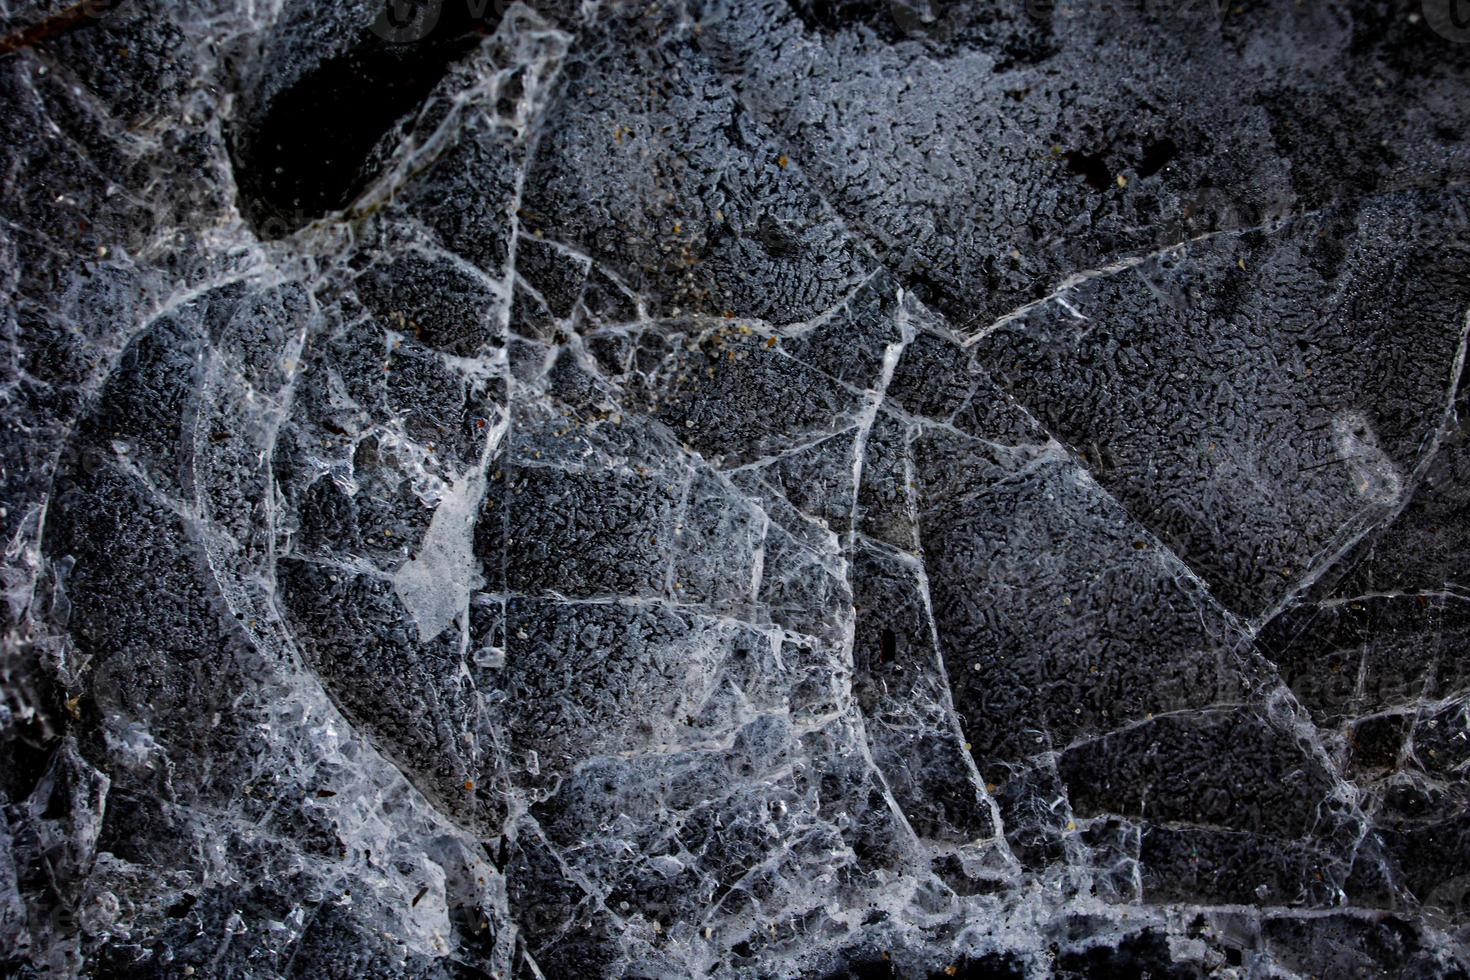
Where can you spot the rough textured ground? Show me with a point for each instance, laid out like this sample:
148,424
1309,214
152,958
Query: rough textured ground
740,488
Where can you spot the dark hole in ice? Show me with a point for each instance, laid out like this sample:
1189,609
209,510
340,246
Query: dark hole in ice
1141,955
510,93
1156,156
776,238
991,966
885,19
308,155
887,646
56,806
1091,168
182,907
864,970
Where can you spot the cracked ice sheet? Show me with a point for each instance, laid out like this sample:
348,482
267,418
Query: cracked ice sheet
1376,651
989,154
1333,342
595,551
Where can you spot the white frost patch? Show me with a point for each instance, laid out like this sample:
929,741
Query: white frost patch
436,585
1370,469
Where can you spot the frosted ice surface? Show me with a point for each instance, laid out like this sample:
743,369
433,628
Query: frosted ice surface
709,489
